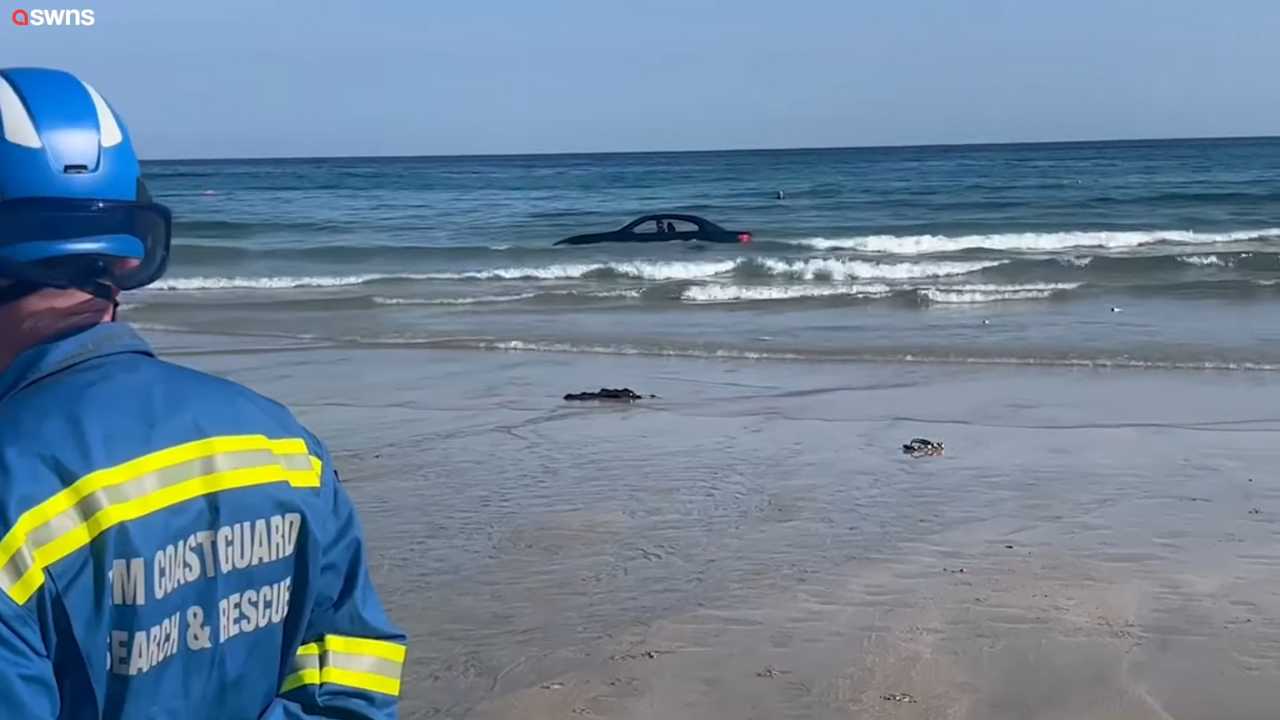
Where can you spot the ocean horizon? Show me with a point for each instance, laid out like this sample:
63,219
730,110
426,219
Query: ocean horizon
696,151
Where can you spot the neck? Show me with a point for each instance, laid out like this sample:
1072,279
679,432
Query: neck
24,327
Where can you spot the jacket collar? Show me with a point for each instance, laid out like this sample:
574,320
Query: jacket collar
55,356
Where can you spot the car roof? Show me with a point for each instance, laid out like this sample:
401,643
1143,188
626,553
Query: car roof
671,216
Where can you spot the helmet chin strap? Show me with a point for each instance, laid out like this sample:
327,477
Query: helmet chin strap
103,291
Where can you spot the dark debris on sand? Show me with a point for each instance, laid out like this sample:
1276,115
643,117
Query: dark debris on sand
643,655
922,447
623,394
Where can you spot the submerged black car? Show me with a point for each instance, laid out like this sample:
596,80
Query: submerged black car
663,228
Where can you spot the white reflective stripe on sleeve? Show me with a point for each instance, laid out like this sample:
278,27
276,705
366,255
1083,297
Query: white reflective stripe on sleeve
101,500
360,663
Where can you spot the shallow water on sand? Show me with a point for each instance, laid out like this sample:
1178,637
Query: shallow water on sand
1097,544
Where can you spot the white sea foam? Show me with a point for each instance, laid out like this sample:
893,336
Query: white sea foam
622,293
653,270
482,299
820,268
847,269
564,347
730,353
749,293
514,297
922,244
1075,261
957,294
276,283
1202,260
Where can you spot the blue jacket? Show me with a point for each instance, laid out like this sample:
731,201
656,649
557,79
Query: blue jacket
175,546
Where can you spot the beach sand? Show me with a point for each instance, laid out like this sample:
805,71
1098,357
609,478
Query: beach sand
753,544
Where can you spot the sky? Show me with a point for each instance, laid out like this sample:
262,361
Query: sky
240,78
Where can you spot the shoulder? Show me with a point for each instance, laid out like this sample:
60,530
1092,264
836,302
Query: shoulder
130,384
113,409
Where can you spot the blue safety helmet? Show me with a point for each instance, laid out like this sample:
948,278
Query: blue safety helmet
74,212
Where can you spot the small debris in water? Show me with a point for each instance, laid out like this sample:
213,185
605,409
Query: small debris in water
626,394
922,447
898,697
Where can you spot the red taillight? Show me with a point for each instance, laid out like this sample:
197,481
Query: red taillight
744,238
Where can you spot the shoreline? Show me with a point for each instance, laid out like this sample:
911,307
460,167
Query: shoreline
489,344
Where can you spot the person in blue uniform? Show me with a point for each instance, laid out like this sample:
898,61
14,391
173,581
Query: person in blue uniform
172,545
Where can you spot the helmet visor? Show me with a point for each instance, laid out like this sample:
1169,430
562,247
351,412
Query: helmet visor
63,242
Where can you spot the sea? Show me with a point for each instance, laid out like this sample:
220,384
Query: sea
1136,254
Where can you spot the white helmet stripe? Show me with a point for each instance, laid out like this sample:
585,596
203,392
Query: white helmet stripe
107,124
18,128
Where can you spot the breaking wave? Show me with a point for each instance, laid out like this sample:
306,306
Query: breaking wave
514,297
813,268
846,269
1106,239
654,270
1202,260
748,293
277,283
483,299
993,293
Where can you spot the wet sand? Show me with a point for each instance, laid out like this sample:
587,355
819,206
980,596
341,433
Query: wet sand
753,544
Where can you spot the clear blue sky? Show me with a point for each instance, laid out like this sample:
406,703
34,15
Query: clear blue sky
235,78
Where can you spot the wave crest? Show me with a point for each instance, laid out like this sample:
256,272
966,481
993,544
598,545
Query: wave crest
276,283
1106,239
748,293
960,294
845,269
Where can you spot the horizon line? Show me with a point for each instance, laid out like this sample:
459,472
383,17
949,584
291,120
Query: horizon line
580,153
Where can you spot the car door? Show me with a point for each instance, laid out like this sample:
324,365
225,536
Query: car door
647,230
684,229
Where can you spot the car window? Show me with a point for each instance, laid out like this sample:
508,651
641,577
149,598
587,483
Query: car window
682,225
663,225
648,227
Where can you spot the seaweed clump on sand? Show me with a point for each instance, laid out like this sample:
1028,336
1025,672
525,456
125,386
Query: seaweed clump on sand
621,394
922,447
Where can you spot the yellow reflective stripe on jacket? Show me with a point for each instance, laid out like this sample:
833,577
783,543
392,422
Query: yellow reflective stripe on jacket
360,663
101,500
